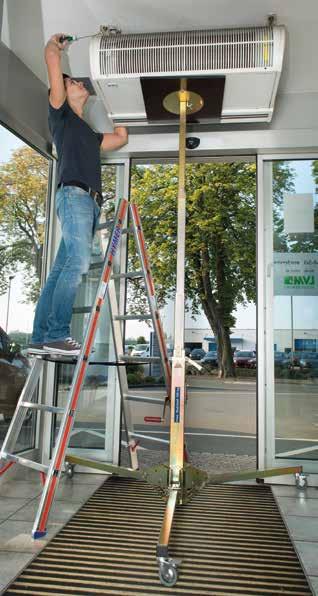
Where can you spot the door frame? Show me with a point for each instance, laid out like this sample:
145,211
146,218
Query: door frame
265,324
111,451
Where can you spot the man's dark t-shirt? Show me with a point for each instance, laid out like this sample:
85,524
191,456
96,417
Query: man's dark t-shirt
78,147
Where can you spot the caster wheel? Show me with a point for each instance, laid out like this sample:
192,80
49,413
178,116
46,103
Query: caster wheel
69,470
301,480
168,575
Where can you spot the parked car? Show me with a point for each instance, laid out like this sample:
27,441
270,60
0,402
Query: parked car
245,359
140,349
309,362
210,358
197,354
14,369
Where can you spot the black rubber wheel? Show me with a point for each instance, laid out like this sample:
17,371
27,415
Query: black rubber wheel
168,575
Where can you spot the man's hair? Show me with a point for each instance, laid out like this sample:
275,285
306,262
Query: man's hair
65,76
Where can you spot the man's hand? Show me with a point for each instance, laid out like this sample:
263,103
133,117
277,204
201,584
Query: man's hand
52,54
115,140
54,46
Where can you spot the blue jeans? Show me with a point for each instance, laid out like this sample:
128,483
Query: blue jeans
78,214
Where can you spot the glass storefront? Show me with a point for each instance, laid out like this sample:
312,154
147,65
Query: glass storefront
24,182
220,292
94,416
295,307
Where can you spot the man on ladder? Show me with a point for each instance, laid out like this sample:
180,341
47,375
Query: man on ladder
78,202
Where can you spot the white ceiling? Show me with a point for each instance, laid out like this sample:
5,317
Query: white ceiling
27,25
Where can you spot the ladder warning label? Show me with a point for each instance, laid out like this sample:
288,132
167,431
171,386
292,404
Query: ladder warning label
115,240
177,404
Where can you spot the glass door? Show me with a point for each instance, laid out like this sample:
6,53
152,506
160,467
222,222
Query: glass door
97,424
291,319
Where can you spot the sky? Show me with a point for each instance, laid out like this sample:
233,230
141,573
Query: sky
21,315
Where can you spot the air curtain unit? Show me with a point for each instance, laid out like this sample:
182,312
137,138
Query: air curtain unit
250,59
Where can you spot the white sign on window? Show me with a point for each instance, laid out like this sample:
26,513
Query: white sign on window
298,213
295,274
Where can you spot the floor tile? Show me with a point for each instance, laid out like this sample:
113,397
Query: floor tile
9,506
19,474
61,511
96,479
293,491
308,553
302,528
76,493
10,565
314,584
18,490
16,536
301,506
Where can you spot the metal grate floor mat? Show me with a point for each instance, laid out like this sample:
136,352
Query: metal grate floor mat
231,539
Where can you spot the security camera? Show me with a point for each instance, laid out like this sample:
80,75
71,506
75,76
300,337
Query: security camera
192,142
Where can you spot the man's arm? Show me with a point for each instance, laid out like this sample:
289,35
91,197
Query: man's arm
114,140
52,55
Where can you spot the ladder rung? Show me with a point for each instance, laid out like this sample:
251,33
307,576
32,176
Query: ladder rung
18,459
128,275
129,230
145,399
140,359
105,225
138,317
78,310
96,265
42,407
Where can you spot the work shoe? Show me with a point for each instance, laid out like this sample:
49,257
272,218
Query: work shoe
36,349
68,347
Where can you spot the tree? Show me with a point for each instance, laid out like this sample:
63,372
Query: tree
220,244
141,340
23,191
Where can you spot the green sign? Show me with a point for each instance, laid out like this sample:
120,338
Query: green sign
299,280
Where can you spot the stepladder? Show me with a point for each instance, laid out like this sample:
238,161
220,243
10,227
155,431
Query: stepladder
106,291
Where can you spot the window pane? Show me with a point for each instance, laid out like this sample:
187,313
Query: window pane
295,244
24,175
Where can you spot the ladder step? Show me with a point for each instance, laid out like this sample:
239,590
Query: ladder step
18,459
77,310
128,275
42,407
105,225
138,317
140,359
129,230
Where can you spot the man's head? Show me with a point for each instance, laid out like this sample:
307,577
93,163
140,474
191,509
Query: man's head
76,91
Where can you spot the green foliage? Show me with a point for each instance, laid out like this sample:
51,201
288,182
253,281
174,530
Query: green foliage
221,218
141,340
220,237
23,190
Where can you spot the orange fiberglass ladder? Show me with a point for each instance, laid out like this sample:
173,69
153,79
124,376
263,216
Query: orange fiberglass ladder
28,400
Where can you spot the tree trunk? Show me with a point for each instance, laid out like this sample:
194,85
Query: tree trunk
222,335
215,315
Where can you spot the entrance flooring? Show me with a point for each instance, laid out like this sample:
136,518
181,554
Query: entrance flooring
19,493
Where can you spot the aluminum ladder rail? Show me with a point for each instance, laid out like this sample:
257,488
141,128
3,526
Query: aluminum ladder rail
51,474
154,316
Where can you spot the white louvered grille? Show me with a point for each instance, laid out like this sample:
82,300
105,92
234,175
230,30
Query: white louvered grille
186,52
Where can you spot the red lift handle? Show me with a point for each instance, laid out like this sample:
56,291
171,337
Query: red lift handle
154,419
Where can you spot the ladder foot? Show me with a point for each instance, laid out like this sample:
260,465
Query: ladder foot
39,534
